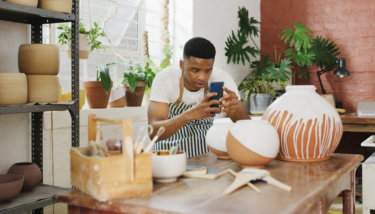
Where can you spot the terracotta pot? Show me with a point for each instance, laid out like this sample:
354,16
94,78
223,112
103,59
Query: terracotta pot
39,59
43,88
252,143
30,171
10,186
95,94
135,98
64,6
13,89
310,128
84,47
117,97
29,3
216,138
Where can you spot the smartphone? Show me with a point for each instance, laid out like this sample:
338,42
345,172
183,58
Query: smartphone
218,88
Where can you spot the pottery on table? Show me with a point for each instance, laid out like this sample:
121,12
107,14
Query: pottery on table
10,186
43,88
252,143
13,89
30,171
39,59
64,6
216,137
29,3
309,127
95,94
167,168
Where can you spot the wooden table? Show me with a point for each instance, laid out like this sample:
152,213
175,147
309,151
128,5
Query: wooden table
315,186
354,123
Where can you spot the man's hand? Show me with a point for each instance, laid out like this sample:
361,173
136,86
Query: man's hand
230,102
203,109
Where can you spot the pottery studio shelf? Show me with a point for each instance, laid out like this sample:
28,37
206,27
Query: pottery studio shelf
37,108
38,197
29,15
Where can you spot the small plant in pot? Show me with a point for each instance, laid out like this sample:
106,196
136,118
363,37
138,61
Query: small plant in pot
88,38
136,80
97,92
265,74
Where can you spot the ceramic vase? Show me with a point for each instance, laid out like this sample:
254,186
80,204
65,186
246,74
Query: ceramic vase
134,98
13,89
30,171
29,3
64,6
309,127
43,88
252,143
216,138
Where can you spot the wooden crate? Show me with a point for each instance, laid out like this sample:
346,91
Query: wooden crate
107,178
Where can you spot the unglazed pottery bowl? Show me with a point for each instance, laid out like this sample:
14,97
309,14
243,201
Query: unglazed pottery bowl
252,143
30,171
43,88
216,137
39,59
64,6
167,168
10,186
29,3
13,89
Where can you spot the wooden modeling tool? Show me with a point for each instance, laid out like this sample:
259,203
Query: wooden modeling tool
152,143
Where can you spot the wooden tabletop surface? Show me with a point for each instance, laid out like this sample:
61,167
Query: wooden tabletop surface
314,185
354,123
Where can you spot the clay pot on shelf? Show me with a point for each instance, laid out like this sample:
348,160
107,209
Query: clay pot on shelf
84,47
39,59
95,94
134,98
64,6
13,89
252,143
117,98
10,186
30,171
216,137
309,127
29,3
43,88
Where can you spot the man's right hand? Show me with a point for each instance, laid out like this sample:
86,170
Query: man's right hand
204,109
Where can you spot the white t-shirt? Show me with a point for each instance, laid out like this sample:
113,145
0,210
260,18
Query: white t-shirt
165,87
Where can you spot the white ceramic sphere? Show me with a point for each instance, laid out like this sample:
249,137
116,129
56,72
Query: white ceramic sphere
258,136
217,134
166,168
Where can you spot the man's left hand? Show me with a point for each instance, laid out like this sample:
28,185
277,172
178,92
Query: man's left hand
230,102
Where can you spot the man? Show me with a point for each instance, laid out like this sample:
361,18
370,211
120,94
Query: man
179,100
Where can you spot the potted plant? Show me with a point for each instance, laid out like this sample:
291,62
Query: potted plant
137,79
97,92
88,38
265,74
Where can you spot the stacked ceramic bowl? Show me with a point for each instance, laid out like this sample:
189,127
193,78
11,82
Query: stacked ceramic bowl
40,63
64,6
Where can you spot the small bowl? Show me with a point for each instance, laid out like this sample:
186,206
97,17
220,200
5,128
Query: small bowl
166,168
10,186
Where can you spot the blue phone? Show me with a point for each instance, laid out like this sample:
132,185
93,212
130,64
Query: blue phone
218,88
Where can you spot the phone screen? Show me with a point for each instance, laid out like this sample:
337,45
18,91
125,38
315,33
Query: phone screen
218,88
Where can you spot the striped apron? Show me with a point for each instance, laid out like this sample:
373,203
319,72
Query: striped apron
191,138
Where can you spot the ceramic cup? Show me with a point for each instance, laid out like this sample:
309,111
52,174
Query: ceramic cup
166,168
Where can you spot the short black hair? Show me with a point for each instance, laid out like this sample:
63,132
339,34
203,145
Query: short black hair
199,47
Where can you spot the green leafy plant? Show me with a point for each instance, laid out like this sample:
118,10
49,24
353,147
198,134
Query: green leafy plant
134,72
265,73
102,74
93,34
305,50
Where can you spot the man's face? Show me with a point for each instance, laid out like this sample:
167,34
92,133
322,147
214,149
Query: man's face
197,71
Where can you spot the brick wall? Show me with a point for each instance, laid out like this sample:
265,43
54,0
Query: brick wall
350,24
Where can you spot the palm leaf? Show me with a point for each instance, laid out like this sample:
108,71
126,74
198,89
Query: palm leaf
236,49
325,52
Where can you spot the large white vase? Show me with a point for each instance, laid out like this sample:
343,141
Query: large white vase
309,127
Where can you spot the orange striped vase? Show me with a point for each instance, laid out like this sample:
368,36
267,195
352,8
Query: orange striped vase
309,127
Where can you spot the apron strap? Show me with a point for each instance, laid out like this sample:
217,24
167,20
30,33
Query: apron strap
181,86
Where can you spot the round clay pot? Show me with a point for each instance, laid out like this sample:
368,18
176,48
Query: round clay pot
43,88
29,3
95,94
30,171
13,89
64,6
309,127
84,47
216,138
10,186
135,98
39,59
252,143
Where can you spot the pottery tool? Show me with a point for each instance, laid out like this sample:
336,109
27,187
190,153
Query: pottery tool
248,174
130,153
205,173
173,150
151,144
